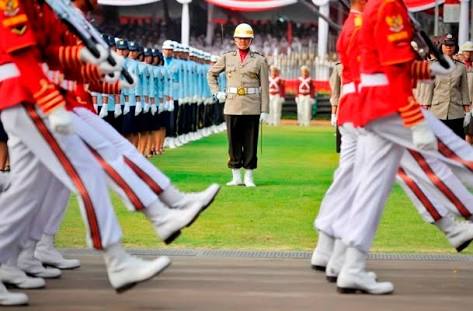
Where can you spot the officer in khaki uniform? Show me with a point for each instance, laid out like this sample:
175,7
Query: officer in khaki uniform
247,97
448,96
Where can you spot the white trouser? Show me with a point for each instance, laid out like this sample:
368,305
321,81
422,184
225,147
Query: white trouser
386,140
135,193
304,110
36,153
151,175
4,180
275,107
52,210
429,183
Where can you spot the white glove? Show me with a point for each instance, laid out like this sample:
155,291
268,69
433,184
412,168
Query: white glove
60,121
118,111
87,57
112,77
170,105
467,119
103,111
263,117
138,108
423,137
221,96
96,107
437,69
161,107
154,109
146,107
106,68
333,119
126,108
124,84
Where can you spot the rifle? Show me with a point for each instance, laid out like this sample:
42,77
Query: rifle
420,37
82,28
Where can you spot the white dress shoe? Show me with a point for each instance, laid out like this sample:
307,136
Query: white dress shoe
174,198
459,233
11,299
125,271
169,222
32,266
322,252
11,275
354,278
236,178
248,179
50,256
335,263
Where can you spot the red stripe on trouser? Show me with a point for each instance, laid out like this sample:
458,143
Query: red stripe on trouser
449,153
72,173
419,194
145,177
440,184
113,174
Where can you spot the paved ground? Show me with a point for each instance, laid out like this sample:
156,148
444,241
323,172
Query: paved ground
220,281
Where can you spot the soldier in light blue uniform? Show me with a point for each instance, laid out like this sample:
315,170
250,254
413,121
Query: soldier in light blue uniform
155,97
222,83
130,126
171,63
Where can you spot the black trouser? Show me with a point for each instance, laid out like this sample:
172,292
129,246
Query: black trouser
242,133
456,125
338,139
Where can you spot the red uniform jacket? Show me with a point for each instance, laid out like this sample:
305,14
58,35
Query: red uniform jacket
276,86
305,86
31,34
349,55
386,62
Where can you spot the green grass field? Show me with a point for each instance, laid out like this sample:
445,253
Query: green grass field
295,169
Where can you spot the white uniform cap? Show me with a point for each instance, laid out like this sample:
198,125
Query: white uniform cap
168,45
467,46
213,58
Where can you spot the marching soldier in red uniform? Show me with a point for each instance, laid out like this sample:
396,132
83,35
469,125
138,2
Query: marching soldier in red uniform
393,121
276,96
305,97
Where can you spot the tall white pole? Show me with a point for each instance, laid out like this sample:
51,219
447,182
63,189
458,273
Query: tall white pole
322,71
185,21
464,21
210,25
436,18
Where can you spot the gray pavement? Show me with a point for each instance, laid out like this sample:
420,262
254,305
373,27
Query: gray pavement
226,280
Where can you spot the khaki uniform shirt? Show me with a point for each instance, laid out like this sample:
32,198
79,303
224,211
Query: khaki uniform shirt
421,92
448,94
335,84
469,75
251,73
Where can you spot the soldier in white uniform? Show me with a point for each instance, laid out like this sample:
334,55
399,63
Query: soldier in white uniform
276,96
305,97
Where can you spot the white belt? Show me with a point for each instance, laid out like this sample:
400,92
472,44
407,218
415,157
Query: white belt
348,88
377,79
8,71
243,90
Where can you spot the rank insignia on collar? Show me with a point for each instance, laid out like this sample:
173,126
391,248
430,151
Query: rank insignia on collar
9,7
20,30
395,23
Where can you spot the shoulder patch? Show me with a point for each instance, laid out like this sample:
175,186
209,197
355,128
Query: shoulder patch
257,53
9,7
358,21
